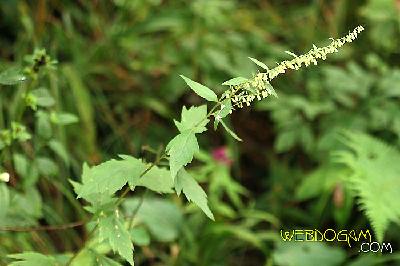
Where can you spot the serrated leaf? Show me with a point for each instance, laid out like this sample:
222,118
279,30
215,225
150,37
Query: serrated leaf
259,63
32,259
233,134
11,76
200,89
181,150
194,119
235,81
110,176
100,202
156,179
193,191
375,179
112,230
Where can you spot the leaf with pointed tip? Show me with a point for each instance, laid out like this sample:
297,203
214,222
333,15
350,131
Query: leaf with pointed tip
193,191
194,119
235,81
112,230
200,89
32,259
233,134
259,63
290,53
110,176
181,150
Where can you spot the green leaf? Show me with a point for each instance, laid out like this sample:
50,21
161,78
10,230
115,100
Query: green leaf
181,150
233,134
85,257
19,132
85,107
315,183
21,164
19,214
291,53
302,253
200,89
46,166
32,259
63,118
286,140
156,179
194,119
193,192
43,97
11,76
110,176
226,108
259,63
161,216
112,230
140,236
104,261
4,200
375,168
43,126
100,202
235,81
59,149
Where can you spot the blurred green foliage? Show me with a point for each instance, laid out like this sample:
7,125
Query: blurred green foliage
103,79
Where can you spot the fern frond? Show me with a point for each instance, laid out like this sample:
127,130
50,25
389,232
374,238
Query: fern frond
375,178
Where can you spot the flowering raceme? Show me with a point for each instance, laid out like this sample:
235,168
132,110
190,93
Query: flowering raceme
259,86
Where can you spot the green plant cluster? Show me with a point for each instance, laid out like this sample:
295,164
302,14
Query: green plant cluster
93,172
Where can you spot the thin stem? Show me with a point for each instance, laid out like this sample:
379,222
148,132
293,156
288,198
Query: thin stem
127,189
135,211
44,228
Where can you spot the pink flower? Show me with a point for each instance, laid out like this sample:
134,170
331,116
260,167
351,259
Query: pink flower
220,155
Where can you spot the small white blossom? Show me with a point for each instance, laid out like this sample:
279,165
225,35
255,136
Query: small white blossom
5,177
